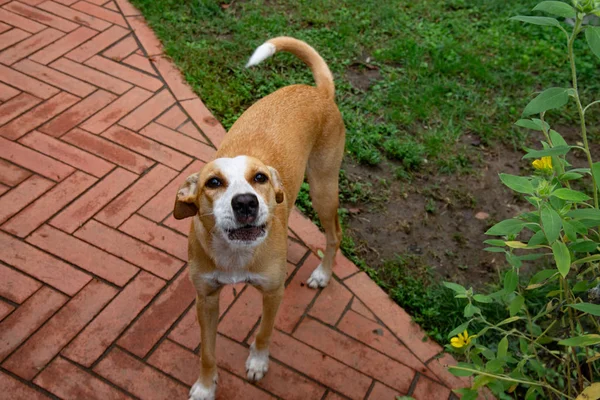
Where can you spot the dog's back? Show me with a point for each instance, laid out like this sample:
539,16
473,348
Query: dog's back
293,121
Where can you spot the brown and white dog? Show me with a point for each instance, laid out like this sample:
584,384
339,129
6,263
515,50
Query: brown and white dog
240,202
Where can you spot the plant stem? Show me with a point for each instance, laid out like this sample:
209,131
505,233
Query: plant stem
509,379
576,30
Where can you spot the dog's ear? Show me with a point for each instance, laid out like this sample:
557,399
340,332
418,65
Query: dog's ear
185,203
277,185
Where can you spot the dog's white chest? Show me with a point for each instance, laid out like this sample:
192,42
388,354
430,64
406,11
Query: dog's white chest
218,278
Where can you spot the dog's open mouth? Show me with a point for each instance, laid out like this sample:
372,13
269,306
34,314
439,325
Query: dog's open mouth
246,233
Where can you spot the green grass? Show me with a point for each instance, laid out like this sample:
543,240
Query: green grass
446,68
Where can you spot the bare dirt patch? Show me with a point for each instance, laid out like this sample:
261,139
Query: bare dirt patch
440,219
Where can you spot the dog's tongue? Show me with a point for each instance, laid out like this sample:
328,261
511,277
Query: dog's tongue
248,233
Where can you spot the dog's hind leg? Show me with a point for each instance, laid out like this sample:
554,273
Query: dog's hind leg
207,307
323,176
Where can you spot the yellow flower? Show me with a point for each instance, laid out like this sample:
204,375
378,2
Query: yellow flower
543,164
463,339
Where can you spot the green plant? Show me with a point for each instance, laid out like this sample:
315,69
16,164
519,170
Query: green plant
546,349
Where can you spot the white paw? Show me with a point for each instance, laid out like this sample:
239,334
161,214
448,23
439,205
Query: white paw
257,364
201,392
319,277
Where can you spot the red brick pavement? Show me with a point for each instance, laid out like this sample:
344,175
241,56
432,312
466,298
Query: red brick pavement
95,137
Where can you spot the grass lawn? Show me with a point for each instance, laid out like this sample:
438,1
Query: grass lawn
412,78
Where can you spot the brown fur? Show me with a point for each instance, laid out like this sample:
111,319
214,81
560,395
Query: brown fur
296,130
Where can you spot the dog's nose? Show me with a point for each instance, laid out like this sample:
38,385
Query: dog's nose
245,207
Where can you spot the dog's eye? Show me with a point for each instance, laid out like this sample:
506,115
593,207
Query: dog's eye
260,178
213,183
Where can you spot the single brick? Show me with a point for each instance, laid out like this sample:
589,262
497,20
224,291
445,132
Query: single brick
5,309
157,236
179,141
117,211
427,389
15,286
47,342
27,318
382,392
26,83
172,118
157,319
359,307
147,147
68,154
81,210
24,23
108,150
180,225
145,113
63,45
68,381
37,116
6,92
116,110
132,375
190,130
52,201
101,13
296,251
132,250
83,255
11,175
161,205
90,75
97,44
77,16
29,46
297,296
11,37
16,106
55,78
123,72
91,343
145,35
140,62
355,354
78,113
18,390
42,17
126,8
34,161
187,330
331,303
121,49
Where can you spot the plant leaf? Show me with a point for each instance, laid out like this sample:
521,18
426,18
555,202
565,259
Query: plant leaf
533,124
591,392
584,340
538,238
515,305
547,100
557,8
511,281
545,21
459,329
596,173
482,298
570,231
506,227
551,223
593,309
585,213
571,195
508,320
562,257
517,183
557,139
456,287
502,348
584,246
471,310
553,151
592,35
569,176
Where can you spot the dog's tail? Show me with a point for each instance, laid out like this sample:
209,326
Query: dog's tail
320,70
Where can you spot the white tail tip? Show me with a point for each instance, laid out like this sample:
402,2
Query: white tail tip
261,53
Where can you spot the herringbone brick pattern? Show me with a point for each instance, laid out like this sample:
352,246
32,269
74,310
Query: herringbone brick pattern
97,131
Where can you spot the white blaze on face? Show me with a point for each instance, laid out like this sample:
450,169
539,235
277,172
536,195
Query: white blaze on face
234,171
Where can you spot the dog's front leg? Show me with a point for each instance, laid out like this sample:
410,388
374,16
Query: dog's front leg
257,363
207,308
